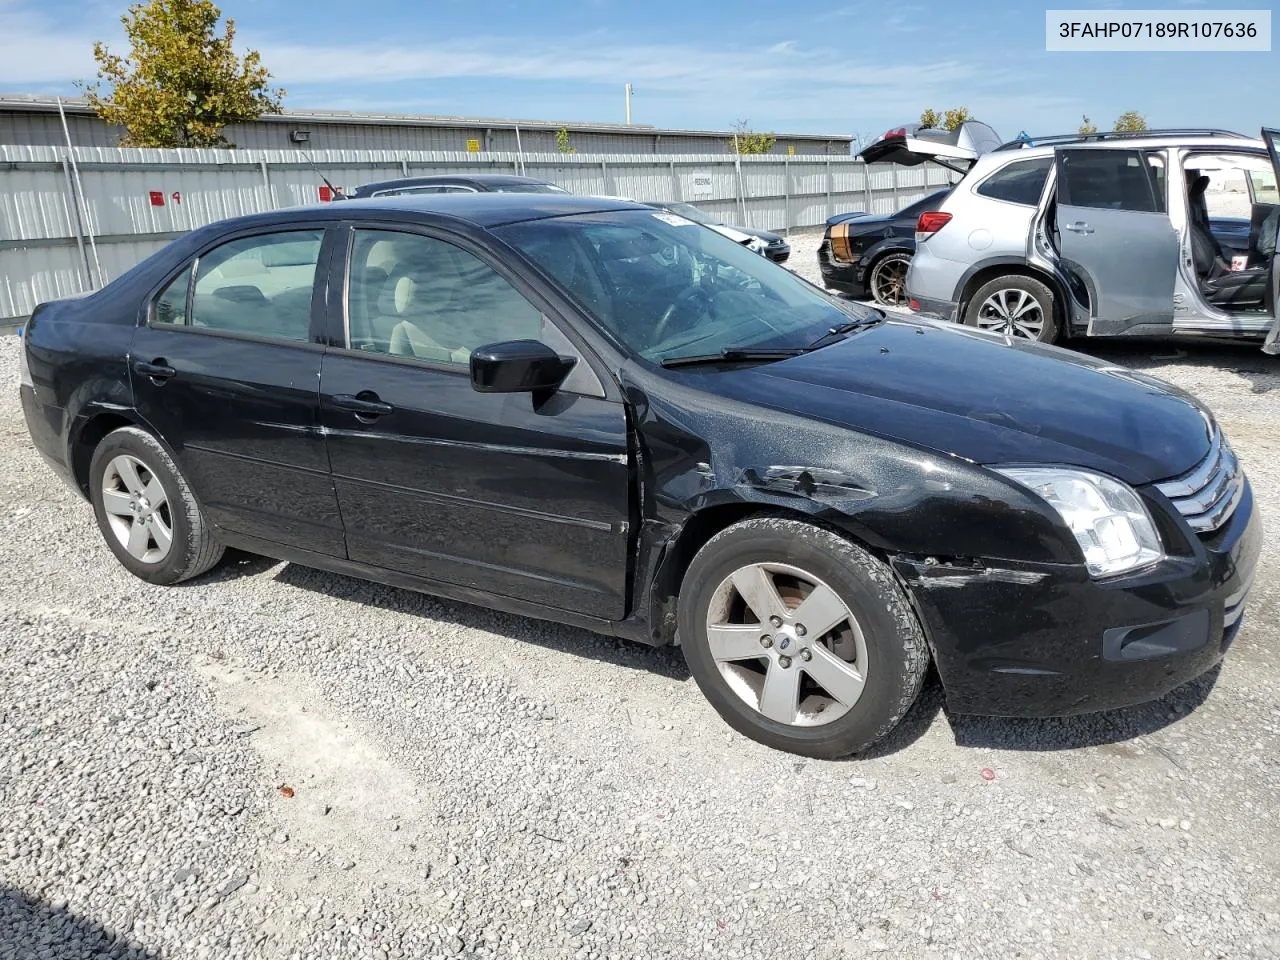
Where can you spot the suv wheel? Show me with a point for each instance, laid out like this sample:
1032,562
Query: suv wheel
1016,306
146,512
800,639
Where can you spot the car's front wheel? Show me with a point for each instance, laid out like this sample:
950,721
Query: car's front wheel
146,511
799,638
1015,305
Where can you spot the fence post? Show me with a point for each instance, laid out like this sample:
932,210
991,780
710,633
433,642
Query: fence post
266,184
866,184
829,212
675,183
896,205
604,175
786,195
77,226
742,190
404,166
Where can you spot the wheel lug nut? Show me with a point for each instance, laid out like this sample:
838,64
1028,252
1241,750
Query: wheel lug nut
800,630
766,641
806,654
784,662
776,621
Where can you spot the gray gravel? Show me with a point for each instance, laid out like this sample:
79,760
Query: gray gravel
272,762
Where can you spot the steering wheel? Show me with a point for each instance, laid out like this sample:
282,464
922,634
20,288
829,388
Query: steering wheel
686,297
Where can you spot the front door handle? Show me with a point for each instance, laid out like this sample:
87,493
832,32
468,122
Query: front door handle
157,369
1078,227
363,404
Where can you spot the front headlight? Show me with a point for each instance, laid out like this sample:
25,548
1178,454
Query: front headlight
1108,520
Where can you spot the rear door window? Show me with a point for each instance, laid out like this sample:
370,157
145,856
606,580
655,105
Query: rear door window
1019,182
260,285
1108,180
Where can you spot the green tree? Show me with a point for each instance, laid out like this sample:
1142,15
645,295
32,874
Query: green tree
955,117
1131,122
745,140
1087,127
931,119
181,83
950,120
562,141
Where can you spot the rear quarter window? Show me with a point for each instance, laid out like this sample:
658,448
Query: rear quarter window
1019,182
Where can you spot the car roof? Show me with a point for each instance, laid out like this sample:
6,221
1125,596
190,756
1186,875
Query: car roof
482,180
1010,152
480,209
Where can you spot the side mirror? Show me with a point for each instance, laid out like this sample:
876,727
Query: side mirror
518,366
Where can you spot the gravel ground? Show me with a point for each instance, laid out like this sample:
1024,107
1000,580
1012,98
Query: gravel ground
272,762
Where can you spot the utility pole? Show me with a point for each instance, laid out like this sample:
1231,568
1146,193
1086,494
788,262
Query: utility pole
629,92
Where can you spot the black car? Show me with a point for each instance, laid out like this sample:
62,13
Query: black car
598,414
776,246
866,255
449,183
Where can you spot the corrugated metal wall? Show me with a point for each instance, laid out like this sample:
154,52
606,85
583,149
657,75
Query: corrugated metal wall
39,128
56,239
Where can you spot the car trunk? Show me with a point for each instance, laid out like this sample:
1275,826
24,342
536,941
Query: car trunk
912,144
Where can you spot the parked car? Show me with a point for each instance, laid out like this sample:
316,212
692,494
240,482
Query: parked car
866,255
1105,235
751,241
775,246
604,415
451,183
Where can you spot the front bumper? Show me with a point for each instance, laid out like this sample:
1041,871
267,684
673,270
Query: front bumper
779,253
843,277
1044,640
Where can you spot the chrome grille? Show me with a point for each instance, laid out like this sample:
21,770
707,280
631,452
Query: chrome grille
1209,492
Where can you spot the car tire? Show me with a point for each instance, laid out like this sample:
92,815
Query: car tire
875,658
889,274
1014,305
146,511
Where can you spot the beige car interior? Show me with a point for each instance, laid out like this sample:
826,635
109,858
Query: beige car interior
415,296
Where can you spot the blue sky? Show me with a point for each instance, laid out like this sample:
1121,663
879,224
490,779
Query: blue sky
848,66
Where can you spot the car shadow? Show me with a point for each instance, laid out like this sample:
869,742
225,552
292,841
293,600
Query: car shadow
1243,358
662,661
1002,733
33,928
1086,729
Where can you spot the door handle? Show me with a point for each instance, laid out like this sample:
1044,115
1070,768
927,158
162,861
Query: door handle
1078,227
157,369
365,404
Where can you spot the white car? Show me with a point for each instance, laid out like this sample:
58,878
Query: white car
754,244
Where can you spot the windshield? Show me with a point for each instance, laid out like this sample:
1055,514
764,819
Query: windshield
527,188
666,288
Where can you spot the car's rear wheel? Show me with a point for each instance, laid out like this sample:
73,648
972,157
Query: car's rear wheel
888,281
1016,306
799,638
146,511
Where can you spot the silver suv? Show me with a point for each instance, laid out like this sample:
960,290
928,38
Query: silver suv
1165,232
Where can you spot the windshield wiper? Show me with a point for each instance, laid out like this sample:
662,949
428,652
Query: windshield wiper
733,355
842,330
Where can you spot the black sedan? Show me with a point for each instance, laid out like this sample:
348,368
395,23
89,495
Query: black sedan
450,183
600,414
776,247
866,256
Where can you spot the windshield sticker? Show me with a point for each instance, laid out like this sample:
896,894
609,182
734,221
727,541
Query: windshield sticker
674,220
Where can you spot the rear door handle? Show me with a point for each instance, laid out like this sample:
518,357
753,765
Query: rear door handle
364,404
157,369
1078,227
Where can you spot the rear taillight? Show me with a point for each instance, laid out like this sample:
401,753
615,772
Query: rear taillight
932,221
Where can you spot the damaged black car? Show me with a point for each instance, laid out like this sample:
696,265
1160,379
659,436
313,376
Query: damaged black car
601,414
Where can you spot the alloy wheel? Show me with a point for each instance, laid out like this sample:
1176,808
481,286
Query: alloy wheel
137,509
1013,312
889,280
787,644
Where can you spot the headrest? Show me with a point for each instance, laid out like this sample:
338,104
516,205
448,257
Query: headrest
1198,186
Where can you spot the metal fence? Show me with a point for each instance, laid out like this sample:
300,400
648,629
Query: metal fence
70,220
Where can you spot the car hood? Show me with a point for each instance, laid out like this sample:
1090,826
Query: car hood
764,235
987,399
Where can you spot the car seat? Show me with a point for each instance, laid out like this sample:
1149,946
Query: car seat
1219,284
